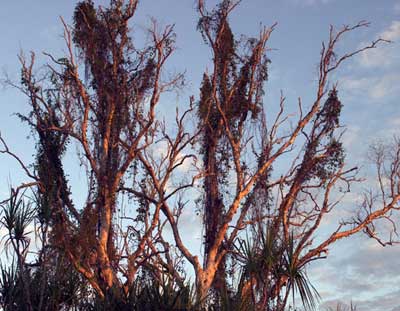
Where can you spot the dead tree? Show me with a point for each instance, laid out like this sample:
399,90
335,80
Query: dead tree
235,87
110,114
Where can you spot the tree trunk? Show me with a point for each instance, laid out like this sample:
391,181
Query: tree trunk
204,281
105,208
214,209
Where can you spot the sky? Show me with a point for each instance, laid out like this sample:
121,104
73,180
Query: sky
357,269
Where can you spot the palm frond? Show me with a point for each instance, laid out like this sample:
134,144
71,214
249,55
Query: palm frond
298,281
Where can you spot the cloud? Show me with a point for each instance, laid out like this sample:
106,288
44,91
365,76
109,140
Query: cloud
393,32
384,55
386,86
363,272
376,88
388,301
390,130
334,305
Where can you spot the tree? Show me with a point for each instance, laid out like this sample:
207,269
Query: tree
231,95
108,116
108,108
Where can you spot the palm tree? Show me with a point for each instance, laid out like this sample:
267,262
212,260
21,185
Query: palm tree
270,272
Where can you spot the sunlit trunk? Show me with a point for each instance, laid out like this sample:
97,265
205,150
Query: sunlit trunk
106,205
213,209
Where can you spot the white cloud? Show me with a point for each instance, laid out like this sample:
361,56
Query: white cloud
391,130
381,56
364,273
376,88
393,32
353,84
334,305
388,301
386,55
386,86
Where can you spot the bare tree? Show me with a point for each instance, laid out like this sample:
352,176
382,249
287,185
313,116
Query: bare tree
232,93
111,116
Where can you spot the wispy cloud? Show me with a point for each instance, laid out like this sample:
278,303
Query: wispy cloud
393,32
376,88
391,130
387,55
386,86
368,268
376,74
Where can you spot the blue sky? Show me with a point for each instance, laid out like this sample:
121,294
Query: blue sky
369,88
